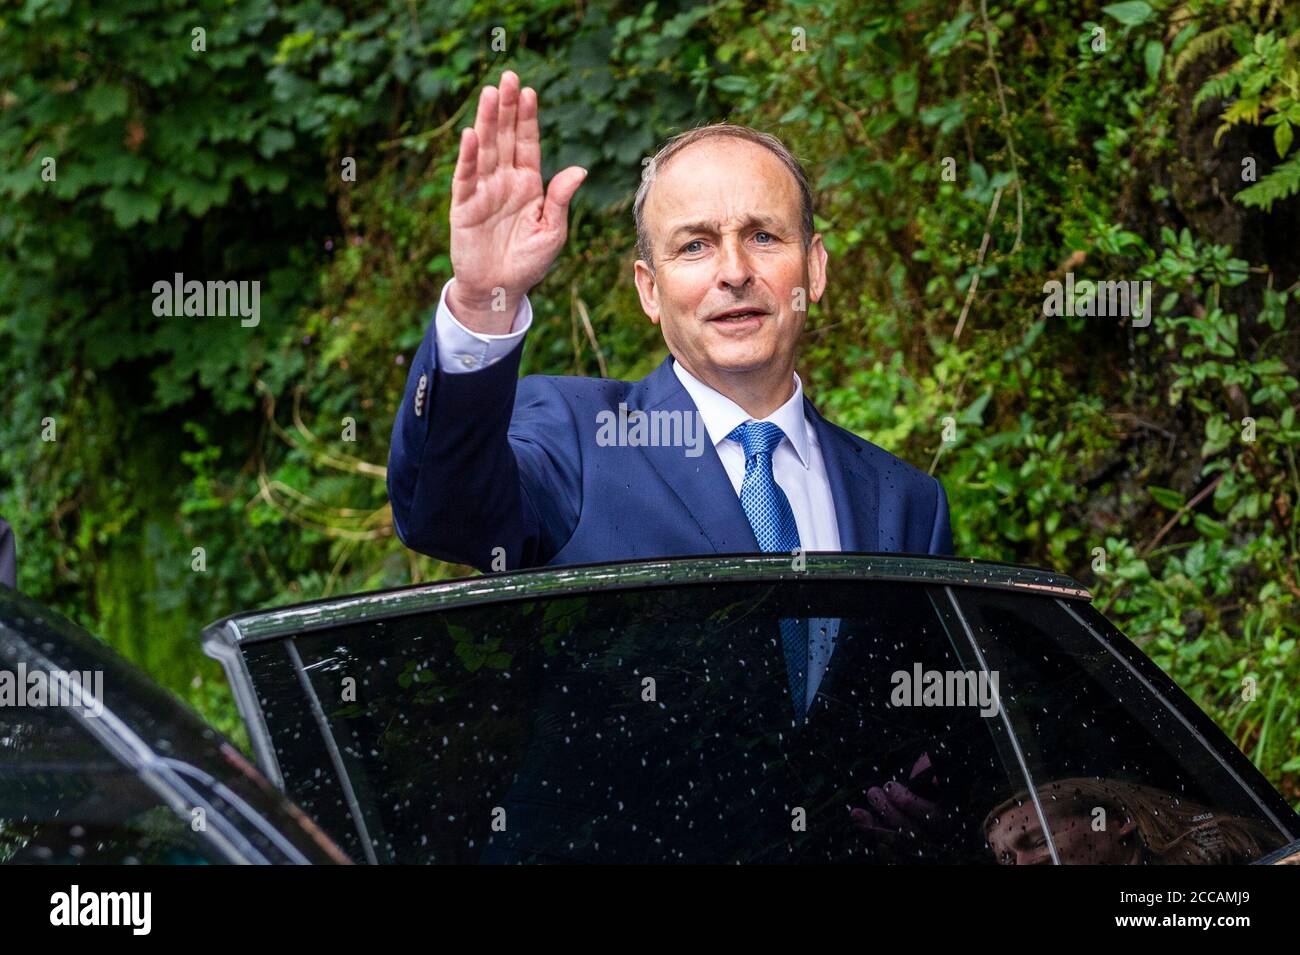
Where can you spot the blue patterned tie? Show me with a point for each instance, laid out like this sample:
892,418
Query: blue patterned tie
769,513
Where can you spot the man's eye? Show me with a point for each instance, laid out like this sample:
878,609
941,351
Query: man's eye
764,235
687,247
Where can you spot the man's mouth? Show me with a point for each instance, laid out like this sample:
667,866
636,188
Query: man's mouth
735,316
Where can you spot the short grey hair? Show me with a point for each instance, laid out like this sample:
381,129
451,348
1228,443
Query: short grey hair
691,136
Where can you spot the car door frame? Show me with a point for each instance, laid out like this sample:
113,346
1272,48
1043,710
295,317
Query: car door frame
226,640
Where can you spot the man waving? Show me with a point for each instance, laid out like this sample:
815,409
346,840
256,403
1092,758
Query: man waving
500,473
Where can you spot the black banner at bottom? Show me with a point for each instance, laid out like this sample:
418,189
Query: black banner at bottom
358,905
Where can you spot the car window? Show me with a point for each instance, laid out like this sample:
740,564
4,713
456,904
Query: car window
65,800
647,725
298,743
1120,770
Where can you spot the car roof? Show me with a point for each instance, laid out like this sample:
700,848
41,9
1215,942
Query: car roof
268,624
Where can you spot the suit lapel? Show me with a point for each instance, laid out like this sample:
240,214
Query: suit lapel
700,483
855,486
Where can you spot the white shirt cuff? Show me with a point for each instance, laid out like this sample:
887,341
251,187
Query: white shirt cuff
461,350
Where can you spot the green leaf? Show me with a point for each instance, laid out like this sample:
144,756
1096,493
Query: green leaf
1282,136
905,89
947,115
1209,527
1218,435
732,84
1131,13
950,35
106,102
130,206
973,414
274,141
796,114
1154,56
1167,498
1282,181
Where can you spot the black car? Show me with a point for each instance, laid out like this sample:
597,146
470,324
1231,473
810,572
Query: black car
954,712
100,765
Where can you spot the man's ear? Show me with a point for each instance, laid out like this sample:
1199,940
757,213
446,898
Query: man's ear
645,287
816,268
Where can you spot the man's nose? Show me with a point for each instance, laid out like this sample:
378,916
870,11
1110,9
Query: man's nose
734,268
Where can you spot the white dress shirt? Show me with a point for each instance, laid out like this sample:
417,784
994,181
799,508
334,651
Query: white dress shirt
797,463
461,350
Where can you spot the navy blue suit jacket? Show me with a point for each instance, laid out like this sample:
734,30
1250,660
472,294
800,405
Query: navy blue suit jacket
486,460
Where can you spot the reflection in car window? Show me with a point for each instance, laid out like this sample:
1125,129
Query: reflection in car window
64,799
1121,778
650,725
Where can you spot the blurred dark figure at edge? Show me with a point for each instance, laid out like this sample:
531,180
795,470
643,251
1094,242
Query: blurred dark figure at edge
8,562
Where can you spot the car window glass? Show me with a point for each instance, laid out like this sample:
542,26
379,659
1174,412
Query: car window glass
1120,777
299,747
65,800
642,725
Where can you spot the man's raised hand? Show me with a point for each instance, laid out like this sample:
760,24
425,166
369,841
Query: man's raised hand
505,232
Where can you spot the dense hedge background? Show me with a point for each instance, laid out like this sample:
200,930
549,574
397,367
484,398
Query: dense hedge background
1139,140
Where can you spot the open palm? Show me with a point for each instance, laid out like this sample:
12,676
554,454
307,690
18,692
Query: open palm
505,231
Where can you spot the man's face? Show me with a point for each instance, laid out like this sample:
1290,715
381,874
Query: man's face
732,278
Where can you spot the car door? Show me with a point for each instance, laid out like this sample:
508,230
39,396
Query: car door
643,713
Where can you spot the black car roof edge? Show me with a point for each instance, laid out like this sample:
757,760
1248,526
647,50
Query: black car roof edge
256,625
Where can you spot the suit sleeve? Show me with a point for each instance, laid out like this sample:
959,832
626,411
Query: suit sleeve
941,532
483,468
